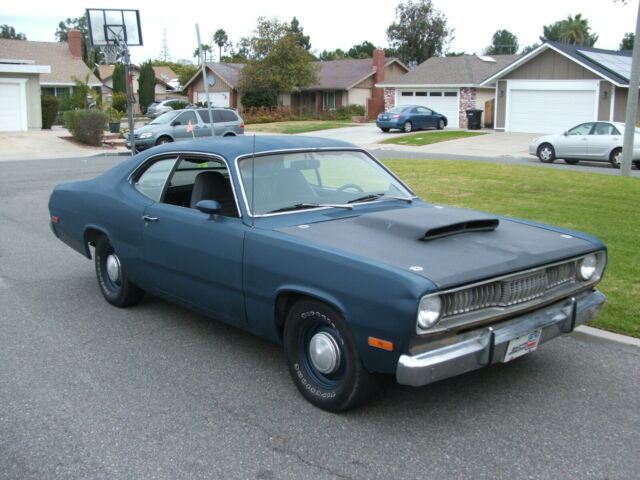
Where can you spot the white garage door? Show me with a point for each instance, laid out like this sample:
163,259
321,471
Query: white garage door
217,99
549,111
442,101
12,107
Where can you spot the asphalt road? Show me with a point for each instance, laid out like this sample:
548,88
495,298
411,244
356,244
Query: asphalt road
89,391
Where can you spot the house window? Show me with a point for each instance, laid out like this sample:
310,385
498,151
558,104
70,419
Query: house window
406,94
329,100
59,92
421,94
435,94
450,94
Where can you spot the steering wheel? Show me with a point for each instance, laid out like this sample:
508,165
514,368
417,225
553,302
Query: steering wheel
348,186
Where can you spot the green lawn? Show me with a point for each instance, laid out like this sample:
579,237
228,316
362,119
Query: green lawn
426,138
607,206
296,127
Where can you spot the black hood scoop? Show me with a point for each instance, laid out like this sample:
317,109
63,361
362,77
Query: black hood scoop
483,225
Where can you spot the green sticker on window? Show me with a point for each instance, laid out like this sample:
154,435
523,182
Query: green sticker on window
203,165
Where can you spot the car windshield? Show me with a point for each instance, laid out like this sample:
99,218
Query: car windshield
165,117
294,181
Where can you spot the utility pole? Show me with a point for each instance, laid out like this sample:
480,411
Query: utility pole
203,60
632,104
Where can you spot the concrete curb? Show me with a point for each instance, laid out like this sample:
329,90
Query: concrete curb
595,335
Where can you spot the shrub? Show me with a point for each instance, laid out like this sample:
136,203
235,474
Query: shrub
50,106
259,99
113,115
344,113
86,126
267,114
119,101
179,105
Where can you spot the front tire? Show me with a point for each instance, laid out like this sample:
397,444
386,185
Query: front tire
546,153
440,124
112,280
407,127
322,358
163,140
616,158
385,130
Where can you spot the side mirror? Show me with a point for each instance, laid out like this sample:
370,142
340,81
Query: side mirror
565,133
210,207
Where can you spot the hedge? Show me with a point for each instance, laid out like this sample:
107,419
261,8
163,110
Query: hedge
86,126
50,106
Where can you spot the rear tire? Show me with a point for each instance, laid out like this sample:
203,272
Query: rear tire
112,280
546,153
385,130
407,127
163,140
323,360
616,158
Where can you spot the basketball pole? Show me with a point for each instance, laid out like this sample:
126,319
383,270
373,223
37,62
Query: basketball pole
203,61
127,73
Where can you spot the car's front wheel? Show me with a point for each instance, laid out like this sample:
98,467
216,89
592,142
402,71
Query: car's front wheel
440,124
163,140
114,284
407,126
323,359
546,153
616,158
636,163
385,130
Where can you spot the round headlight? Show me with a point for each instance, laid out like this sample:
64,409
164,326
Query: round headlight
588,266
429,311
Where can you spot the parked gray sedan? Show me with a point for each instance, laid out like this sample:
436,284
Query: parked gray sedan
189,124
593,141
158,108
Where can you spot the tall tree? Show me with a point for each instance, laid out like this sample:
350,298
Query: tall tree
221,39
503,42
146,85
7,31
627,41
337,54
296,30
574,30
206,49
362,50
419,32
117,79
164,48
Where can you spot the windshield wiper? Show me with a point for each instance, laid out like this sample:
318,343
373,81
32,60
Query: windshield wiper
378,196
302,206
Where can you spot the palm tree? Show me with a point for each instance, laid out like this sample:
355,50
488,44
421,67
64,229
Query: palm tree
220,38
205,48
576,30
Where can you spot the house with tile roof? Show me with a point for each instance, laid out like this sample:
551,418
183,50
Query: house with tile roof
340,83
449,85
28,69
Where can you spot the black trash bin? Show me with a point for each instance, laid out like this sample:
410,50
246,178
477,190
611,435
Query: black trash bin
474,117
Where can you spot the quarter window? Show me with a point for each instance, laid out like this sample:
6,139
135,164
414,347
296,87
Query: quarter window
152,181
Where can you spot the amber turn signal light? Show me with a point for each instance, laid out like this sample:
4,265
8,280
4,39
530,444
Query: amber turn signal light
379,343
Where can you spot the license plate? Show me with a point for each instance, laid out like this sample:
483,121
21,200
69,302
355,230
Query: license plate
522,345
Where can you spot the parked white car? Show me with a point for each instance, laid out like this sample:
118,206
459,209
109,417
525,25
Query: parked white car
592,141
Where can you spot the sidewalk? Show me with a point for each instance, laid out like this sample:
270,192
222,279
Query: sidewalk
44,144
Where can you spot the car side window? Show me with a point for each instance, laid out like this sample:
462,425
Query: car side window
583,129
605,129
152,181
424,110
183,119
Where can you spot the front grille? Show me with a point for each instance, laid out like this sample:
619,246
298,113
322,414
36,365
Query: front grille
509,291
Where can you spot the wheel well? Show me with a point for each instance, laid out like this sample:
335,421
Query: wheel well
91,236
164,136
286,300
229,134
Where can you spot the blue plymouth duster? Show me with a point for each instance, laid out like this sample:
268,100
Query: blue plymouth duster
314,244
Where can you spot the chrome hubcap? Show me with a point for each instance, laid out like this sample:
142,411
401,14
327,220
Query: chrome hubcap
324,353
113,268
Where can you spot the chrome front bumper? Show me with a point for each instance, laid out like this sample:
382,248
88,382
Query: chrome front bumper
484,346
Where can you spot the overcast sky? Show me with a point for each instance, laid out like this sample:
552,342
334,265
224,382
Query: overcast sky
331,24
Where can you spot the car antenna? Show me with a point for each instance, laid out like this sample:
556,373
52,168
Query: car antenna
253,181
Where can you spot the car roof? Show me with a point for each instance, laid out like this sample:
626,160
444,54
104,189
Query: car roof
232,147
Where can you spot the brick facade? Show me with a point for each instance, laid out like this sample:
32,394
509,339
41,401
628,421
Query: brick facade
389,98
467,100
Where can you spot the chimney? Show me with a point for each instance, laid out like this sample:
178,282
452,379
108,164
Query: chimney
74,40
375,105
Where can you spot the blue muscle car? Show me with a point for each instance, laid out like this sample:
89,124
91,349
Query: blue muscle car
313,243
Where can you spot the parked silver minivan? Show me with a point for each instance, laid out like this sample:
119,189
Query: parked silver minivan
173,126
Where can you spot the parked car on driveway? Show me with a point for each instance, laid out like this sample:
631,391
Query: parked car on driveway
314,244
592,141
173,126
410,117
158,108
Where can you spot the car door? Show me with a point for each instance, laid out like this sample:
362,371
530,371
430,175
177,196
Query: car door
180,126
192,257
417,118
575,144
603,139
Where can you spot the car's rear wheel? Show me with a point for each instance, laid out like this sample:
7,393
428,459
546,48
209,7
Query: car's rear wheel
546,153
163,140
114,284
323,359
571,161
407,126
385,130
616,158
636,163
440,124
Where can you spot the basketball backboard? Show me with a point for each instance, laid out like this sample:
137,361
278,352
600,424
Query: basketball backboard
108,26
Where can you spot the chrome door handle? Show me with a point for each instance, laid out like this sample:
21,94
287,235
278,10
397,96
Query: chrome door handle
147,218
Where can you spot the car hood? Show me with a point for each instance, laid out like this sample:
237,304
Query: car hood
440,244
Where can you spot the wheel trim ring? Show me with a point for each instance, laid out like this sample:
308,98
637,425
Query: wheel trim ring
114,269
324,353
